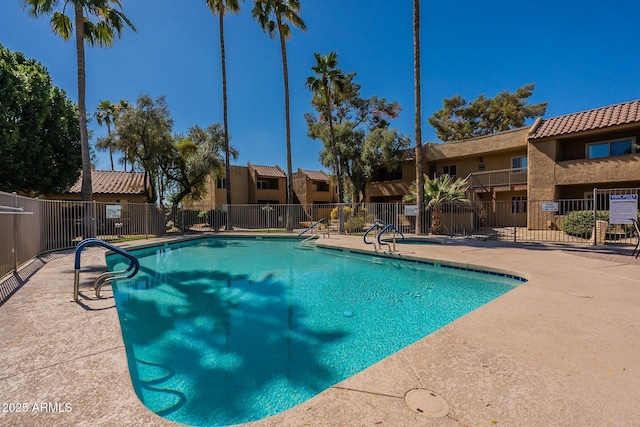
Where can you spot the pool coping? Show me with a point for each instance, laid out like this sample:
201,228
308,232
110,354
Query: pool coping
568,336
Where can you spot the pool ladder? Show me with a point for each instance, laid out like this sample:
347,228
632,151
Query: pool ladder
381,227
109,276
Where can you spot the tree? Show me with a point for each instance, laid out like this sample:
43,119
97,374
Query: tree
272,16
108,113
190,159
362,138
328,79
460,120
220,7
39,129
418,115
109,23
144,132
436,192
105,113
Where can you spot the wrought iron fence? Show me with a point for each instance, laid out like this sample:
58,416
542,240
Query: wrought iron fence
55,225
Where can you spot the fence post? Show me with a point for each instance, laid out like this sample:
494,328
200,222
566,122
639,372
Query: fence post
514,209
146,220
182,216
94,219
15,234
595,217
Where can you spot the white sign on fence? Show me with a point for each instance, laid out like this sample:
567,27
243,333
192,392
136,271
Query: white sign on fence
622,208
410,210
550,207
114,211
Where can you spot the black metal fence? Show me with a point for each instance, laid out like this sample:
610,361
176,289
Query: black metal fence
29,227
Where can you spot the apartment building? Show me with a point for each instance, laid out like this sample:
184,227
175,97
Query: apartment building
562,157
259,184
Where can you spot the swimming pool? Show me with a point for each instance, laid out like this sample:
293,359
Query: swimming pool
225,331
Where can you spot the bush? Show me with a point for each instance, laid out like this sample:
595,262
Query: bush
217,218
356,223
580,223
190,217
346,211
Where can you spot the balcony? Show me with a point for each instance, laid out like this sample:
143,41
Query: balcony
499,178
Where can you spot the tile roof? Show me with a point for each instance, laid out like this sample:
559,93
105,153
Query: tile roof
599,118
269,171
112,182
316,175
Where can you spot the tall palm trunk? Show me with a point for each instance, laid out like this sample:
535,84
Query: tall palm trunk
287,119
110,148
418,116
334,151
82,109
436,219
227,164
85,190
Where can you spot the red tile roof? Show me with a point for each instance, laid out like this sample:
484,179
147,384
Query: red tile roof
269,171
316,175
599,118
113,182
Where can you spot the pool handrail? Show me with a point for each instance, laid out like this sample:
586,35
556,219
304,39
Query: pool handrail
377,225
109,276
323,220
395,231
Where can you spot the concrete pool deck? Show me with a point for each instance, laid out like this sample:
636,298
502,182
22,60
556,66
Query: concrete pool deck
562,349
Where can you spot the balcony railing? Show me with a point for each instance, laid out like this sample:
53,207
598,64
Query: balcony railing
498,178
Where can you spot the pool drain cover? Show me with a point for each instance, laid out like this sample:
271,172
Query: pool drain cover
427,403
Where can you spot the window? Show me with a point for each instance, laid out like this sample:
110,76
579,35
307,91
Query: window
268,184
519,204
320,186
519,162
395,175
619,147
222,183
449,170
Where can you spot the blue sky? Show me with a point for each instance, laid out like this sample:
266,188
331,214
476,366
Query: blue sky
580,55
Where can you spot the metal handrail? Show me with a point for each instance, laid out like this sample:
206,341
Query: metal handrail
377,225
395,231
109,276
13,211
323,220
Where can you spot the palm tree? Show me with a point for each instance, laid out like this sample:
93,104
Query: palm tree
418,115
330,79
109,23
437,191
120,108
265,11
105,113
220,8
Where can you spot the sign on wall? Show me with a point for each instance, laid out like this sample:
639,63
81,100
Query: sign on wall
114,211
410,210
622,208
550,207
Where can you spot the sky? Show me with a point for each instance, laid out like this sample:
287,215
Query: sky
580,55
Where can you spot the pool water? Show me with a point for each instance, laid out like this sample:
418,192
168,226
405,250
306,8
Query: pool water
225,331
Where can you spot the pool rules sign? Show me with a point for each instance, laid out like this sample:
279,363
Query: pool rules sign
622,208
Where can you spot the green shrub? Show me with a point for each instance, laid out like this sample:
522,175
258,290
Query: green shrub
580,223
356,223
346,212
217,218
190,217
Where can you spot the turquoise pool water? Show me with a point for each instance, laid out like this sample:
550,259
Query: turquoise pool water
225,331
